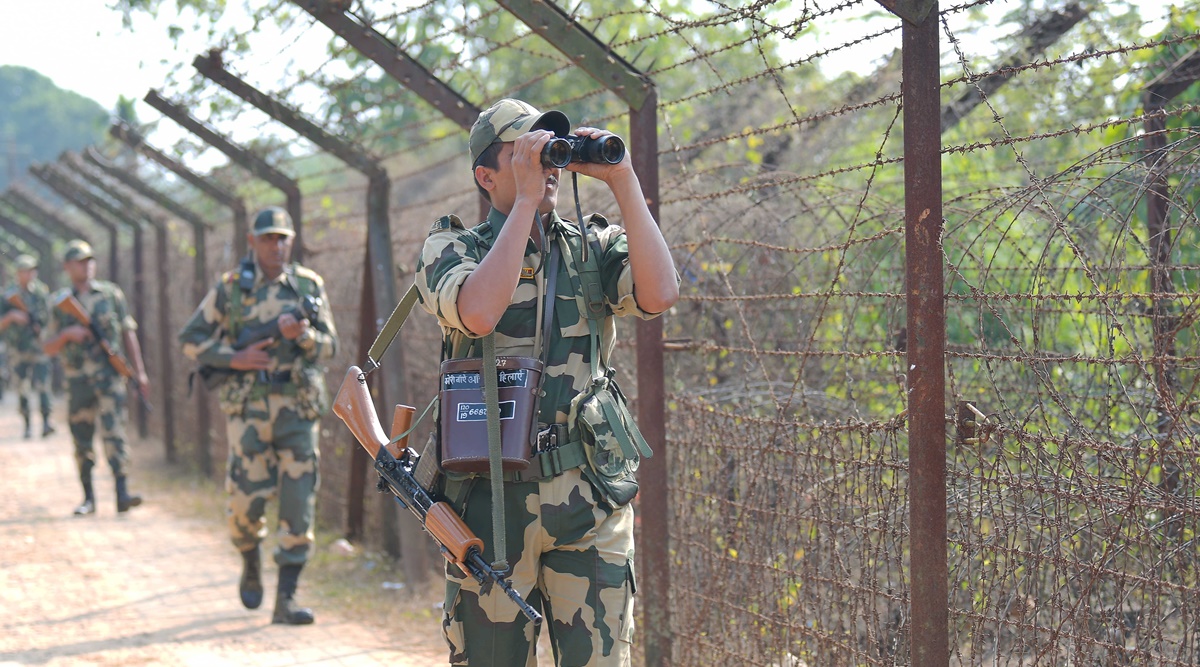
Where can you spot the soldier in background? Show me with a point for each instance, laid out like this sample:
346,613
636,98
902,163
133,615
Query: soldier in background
23,329
96,392
273,391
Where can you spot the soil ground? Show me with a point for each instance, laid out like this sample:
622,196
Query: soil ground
158,585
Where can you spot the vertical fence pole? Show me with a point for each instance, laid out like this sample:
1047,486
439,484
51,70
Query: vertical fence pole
929,615
655,491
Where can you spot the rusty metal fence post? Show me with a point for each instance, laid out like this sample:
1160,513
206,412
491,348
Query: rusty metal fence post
926,323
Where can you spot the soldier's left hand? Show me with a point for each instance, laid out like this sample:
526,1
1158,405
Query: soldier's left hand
291,328
603,171
143,382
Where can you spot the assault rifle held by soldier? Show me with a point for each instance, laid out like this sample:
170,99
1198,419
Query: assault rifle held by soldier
458,544
17,301
212,377
71,306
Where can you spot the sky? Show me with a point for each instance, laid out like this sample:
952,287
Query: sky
82,46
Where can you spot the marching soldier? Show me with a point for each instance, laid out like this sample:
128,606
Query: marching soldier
259,336
96,390
23,314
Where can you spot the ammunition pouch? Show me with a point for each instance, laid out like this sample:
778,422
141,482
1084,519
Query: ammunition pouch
600,419
463,413
312,397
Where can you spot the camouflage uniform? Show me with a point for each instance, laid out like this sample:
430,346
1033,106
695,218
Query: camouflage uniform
571,549
30,364
96,392
273,414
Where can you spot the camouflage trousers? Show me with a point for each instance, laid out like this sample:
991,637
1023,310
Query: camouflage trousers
93,400
273,453
571,555
33,375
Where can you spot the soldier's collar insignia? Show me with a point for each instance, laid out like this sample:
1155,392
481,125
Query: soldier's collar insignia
526,273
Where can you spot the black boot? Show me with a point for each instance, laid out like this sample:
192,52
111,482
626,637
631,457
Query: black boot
124,500
88,506
28,428
47,427
251,587
286,609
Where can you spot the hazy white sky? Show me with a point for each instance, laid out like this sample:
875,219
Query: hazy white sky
82,46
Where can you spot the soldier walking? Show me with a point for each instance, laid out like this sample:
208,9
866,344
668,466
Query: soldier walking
96,391
23,314
261,333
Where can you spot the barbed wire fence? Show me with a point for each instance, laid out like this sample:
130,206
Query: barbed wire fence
1069,252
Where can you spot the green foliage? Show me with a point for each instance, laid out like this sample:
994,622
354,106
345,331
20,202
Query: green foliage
38,120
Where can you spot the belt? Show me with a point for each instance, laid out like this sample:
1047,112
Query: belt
554,456
279,382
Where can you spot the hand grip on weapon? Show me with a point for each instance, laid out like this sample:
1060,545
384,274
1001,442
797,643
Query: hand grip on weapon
290,327
458,544
252,358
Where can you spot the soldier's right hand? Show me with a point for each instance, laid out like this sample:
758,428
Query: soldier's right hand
18,316
76,333
253,357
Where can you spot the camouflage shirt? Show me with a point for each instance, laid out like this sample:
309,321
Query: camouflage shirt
209,336
24,340
451,253
105,304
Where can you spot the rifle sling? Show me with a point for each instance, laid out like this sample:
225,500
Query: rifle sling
390,328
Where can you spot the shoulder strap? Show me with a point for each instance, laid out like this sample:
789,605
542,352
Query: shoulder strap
390,328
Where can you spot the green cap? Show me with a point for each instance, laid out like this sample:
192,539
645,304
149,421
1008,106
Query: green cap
273,220
78,249
508,119
24,262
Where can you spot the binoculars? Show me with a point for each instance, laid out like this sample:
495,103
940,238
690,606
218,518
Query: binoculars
561,151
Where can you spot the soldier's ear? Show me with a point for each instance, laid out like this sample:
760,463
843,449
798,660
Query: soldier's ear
485,177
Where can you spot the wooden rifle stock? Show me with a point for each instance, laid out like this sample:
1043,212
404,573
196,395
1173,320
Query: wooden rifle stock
18,301
353,406
458,544
71,306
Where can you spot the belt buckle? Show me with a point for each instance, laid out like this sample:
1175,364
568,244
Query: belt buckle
547,439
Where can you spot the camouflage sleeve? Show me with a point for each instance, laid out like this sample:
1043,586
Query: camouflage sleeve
616,275
445,263
320,341
203,336
121,310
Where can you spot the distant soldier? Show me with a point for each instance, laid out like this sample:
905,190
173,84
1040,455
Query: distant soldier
23,314
96,391
259,335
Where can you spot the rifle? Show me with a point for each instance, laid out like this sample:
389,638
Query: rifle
306,310
71,306
214,376
15,299
454,538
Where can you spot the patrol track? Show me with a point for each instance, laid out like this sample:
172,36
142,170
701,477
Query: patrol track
150,588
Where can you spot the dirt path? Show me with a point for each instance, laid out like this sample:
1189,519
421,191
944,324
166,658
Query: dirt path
151,587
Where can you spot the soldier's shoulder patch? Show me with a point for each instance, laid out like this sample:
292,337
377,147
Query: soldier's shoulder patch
308,274
446,222
229,277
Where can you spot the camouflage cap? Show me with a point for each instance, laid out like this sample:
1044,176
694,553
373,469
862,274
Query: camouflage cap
273,220
78,249
24,262
508,119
